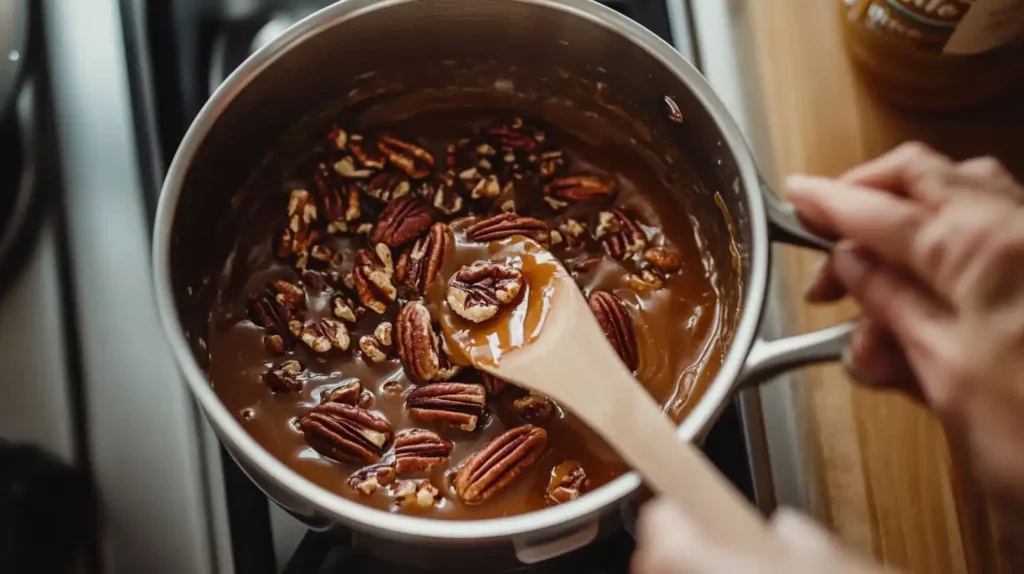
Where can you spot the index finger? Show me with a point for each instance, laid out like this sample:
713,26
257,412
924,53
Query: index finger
911,169
884,223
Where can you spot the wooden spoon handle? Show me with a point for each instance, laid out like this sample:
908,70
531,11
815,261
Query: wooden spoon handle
634,424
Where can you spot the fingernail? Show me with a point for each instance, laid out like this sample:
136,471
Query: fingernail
849,265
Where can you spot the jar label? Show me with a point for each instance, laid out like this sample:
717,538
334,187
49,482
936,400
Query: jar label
948,26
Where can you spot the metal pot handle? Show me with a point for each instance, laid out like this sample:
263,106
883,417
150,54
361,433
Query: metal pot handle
769,358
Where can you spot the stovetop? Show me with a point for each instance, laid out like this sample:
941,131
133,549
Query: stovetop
177,51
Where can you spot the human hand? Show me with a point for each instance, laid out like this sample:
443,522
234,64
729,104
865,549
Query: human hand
669,542
933,250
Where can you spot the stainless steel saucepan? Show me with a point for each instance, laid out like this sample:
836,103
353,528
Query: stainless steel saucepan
559,50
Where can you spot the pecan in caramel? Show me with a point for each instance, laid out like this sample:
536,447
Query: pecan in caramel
417,450
499,462
477,291
505,225
373,278
458,404
567,482
418,265
617,325
402,221
346,433
619,235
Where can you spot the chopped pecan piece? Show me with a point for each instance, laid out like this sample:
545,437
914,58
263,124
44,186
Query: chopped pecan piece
488,188
373,278
418,266
276,310
418,450
616,324
573,233
569,189
346,309
417,493
533,406
300,233
443,195
408,157
459,404
346,433
388,186
325,334
347,167
419,348
315,280
666,260
648,279
284,379
551,162
376,347
341,201
347,392
567,482
370,156
498,463
477,291
402,221
620,236
505,225
370,479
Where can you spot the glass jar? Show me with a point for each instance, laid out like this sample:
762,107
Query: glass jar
935,54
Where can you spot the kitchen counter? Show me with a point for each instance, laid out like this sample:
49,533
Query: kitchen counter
875,467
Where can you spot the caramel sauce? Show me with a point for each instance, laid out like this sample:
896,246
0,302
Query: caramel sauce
677,327
515,325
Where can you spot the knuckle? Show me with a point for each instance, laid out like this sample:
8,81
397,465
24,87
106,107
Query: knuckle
985,166
915,150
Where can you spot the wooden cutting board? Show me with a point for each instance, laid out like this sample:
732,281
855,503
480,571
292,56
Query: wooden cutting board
882,473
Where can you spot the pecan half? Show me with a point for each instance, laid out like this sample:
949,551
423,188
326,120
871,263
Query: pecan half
515,136
459,404
300,233
494,385
346,309
348,392
408,157
346,433
388,186
533,406
573,188
418,266
373,276
403,220
276,308
568,480
370,479
498,463
376,347
620,236
419,348
505,225
369,156
616,324
573,233
325,334
666,260
416,493
418,450
284,379
477,291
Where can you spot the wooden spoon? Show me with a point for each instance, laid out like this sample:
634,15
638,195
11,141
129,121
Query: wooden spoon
571,361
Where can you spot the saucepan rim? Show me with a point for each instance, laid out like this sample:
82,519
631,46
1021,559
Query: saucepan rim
335,507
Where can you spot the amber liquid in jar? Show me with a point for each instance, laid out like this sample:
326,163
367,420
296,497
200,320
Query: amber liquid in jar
935,54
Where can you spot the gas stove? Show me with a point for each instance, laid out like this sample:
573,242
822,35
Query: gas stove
151,452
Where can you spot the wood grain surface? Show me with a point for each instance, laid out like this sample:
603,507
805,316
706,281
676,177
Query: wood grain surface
883,475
